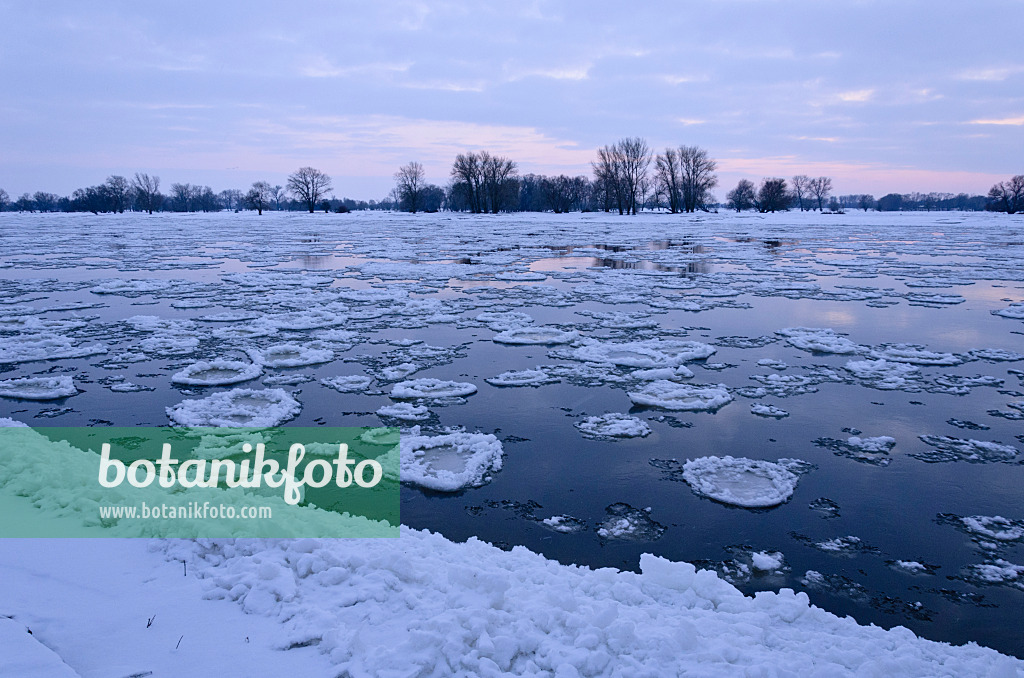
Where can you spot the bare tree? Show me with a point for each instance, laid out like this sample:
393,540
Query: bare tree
45,202
820,187
1008,196
742,197
865,201
119,190
467,181
231,198
409,182
635,157
259,196
697,171
800,190
278,196
500,181
309,185
772,195
4,200
147,191
608,175
667,180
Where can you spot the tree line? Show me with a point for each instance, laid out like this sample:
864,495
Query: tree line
626,177
306,189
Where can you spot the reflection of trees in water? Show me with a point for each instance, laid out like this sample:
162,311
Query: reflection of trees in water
692,267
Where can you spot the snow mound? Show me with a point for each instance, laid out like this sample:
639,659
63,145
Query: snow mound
450,462
750,483
536,335
650,353
218,372
291,355
669,395
522,378
432,388
613,425
38,388
238,407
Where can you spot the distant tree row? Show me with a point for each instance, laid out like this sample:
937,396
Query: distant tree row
623,181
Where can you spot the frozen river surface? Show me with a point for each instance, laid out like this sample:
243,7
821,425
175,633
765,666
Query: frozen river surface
829,403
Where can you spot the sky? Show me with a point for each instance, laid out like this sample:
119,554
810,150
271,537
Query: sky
886,96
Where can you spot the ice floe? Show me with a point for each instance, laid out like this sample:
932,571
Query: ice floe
38,388
818,340
948,448
522,378
750,483
355,383
449,462
670,395
430,388
291,355
536,335
651,353
613,425
405,412
219,372
627,523
238,407
33,347
764,410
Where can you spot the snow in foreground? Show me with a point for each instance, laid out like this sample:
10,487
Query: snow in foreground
419,605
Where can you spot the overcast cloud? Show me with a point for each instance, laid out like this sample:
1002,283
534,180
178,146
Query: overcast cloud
882,96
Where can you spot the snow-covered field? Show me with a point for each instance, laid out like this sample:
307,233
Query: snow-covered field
823,403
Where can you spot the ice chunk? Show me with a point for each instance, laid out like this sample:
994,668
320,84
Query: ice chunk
522,378
218,372
291,355
399,371
913,354
613,425
238,407
627,523
750,483
450,462
768,411
670,395
818,340
431,388
765,561
354,383
405,412
652,353
38,388
948,448
1015,311
535,335
564,523
29,348
883,374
